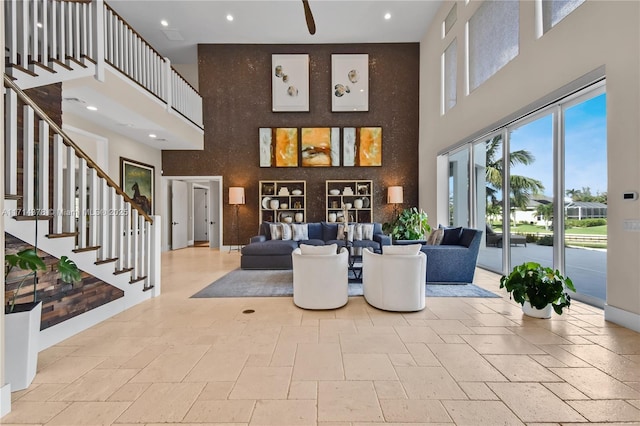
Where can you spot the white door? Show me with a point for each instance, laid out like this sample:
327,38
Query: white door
178,214
200,214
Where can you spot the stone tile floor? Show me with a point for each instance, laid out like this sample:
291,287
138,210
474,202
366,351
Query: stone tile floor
464,361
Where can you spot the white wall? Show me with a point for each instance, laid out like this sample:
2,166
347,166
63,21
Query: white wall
121,146
597,33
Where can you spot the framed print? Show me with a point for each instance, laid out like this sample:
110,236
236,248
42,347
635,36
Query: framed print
320,146
290,83
137,181
349,83
362,146
285,152
278,147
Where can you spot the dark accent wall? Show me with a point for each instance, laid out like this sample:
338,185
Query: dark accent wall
235,83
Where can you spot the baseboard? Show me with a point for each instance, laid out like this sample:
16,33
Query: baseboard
59,332
627,319
5,400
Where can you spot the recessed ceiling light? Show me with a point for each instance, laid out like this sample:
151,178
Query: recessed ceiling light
152,135
164,23
92,108
229,17
387,15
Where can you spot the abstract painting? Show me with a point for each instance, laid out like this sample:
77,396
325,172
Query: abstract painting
349,83
290,83
286,147
137,181
320,147
362,146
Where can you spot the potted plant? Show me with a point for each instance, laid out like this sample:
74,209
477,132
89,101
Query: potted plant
410,224
538,289
22,321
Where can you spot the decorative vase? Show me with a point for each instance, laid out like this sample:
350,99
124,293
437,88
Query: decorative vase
529,310
22,331
299,217
274,204
357,203
332,217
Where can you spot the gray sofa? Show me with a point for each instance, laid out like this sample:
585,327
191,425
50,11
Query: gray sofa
454,260
262,252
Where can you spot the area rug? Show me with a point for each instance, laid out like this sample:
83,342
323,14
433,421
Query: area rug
248,283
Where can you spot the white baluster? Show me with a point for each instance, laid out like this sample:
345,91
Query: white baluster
114,222
69,22
11,41
44,47
82,203
70,208
94,210
107,213
127,236
142,238
120,232
11,142
58,183
23,36
43,167
28,161
77,29
135,232
33,29
84,30
97,43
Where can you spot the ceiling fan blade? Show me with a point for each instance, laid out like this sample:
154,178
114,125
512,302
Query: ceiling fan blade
311,24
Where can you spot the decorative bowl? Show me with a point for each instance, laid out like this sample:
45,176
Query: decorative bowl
284,206
334,191
296,192
348,205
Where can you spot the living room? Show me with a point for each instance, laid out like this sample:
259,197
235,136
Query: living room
405,101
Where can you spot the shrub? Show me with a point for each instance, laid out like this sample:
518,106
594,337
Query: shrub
531,238
545,240
585,223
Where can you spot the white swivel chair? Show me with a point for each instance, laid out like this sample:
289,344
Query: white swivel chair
320,277
394,282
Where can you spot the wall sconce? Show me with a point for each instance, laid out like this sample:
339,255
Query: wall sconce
236,198
395,197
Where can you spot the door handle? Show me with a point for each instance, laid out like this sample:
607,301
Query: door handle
174,223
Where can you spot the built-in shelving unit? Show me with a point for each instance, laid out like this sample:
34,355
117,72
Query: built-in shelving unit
283,201
356,194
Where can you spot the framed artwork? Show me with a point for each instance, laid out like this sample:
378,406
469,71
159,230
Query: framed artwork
320,146
290,83
349,83
362,146
278,147
137,181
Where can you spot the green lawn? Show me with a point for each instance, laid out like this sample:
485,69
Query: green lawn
534,229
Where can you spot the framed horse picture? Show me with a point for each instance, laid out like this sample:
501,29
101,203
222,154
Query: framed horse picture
137,181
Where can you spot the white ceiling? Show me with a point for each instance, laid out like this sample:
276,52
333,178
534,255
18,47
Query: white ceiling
272,22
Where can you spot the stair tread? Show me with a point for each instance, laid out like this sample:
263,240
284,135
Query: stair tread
148,288
22,69
103,261
29,217
83,249
62,235
135,280
122,271
12,197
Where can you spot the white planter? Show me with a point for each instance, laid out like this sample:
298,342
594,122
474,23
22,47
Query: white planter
22,331
537,313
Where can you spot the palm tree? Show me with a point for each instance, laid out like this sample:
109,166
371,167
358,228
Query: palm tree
546,212
520,187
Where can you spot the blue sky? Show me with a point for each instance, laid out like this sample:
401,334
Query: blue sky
585,147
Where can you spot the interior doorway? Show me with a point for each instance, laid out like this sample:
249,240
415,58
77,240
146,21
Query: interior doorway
200,216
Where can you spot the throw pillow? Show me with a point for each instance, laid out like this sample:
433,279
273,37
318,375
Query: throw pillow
300,231
286,231
451,236
363,231
408,249
319,250
435,238
280,231
341,229
276,231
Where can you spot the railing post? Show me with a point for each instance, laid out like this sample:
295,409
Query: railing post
43,167
98,37
154,271
70,211
58,183
28,160
166,79
82,203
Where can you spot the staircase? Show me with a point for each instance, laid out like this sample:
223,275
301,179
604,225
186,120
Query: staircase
74,209
56,197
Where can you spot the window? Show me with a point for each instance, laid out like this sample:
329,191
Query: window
554,11
492,39
449,76
451,18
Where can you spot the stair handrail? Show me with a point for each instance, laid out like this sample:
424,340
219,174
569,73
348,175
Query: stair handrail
8,83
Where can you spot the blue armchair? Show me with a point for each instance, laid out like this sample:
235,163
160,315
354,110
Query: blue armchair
455,262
